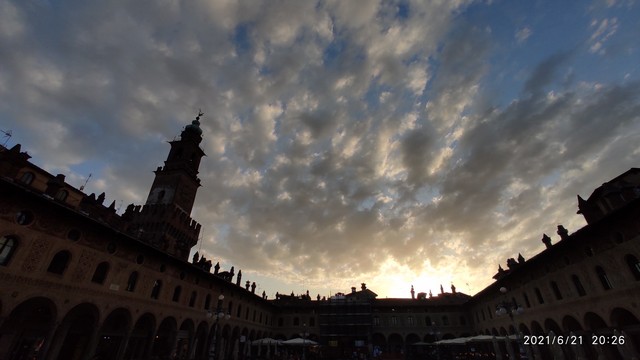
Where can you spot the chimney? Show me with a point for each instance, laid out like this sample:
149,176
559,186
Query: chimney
353,289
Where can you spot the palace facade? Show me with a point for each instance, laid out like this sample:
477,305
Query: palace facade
80,281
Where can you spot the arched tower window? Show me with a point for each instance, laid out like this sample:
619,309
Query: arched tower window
155,292
192,299
604,279
8,246
133,280
634,266
207,302
59,262
100,275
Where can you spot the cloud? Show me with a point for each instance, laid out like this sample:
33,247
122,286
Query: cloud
342,138
523,34
602,31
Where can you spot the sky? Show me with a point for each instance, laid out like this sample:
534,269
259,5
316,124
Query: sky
391,143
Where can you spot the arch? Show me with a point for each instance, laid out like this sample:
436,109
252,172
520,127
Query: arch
59,262
100,274
570,324
207,302
176,293
62,195
165,335
132,281
155,291
412,339
183,341
536,329
552,325
378,339
26,328
539,296
604,278
200,341
503,331
594,322
634,266
75,332
141,337
112,334
578,285
621,318
523,329
8,246
395,343
27,177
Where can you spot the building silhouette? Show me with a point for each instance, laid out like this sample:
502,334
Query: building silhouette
79,281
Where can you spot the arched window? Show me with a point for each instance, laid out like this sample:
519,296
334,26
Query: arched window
207,302
239,311
445,320
556,290
192,299
62,195
27,178
59,262
176,293
155,292
131,283
100,274
604,279
526,300
296,321
539,296
8,246
634,265
578,285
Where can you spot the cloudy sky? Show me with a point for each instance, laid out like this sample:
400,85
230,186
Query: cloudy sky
395,143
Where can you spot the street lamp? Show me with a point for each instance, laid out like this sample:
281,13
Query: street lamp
436,333
219,315
510,308
304,335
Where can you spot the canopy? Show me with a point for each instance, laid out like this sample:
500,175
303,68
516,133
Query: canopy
299,341
266,341
477,338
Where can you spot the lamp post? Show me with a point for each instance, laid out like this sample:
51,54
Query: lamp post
436,333
219,315
304,335
510,308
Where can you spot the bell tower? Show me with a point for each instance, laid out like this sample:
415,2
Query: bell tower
177,181
165,220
